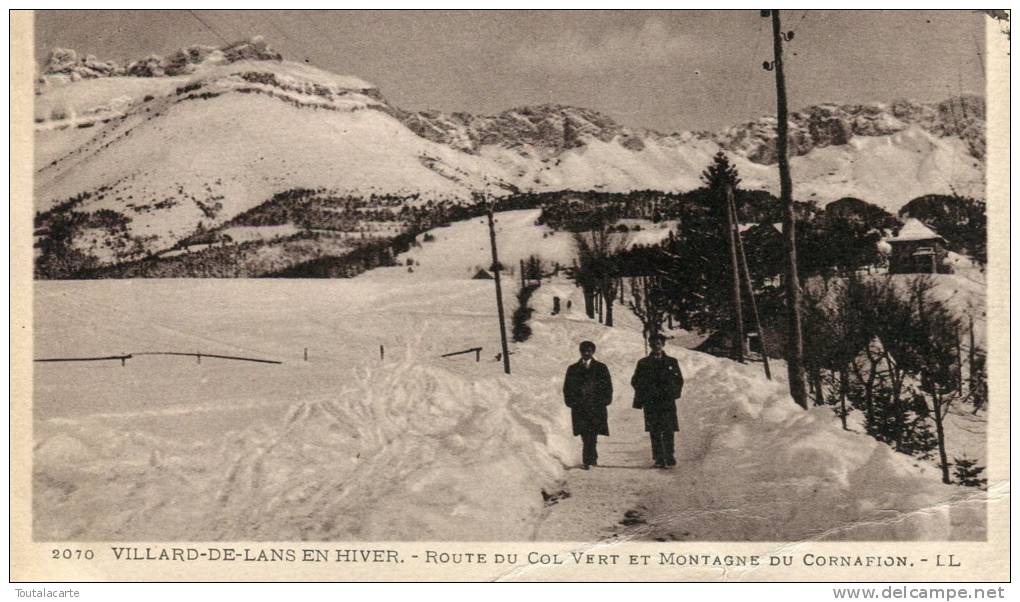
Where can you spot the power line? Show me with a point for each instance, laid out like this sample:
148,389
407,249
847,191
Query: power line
749,82
315,22
272,23
980,55
209,27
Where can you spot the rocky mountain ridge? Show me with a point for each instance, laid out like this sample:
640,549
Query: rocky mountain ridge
65,63
555,128
136,162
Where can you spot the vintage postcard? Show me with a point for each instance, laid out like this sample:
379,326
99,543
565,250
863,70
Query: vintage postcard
510,295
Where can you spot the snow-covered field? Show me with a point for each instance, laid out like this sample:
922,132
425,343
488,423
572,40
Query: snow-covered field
349,445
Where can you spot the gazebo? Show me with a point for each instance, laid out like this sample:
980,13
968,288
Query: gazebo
917,249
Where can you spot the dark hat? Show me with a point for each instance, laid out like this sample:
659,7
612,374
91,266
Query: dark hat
657,338
587,344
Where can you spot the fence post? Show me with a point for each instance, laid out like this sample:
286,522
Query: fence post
478,355
306,354
382,353
199,356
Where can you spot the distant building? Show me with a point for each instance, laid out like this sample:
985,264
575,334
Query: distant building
720,343
481,274
917,249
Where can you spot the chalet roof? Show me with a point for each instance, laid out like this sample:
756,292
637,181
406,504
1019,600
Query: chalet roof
912,230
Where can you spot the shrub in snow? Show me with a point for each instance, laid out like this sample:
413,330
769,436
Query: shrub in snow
533,268
521,330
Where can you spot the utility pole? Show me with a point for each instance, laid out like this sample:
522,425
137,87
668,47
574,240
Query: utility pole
750,294
499,292
738,310
794,339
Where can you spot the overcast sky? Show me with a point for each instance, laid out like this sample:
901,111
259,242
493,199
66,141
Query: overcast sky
665,70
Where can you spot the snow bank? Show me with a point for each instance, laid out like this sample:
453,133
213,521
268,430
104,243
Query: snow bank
407,451
797,475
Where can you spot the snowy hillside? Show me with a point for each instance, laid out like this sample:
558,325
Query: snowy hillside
164,148
363,443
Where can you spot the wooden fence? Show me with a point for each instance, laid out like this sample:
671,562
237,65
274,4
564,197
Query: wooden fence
477,351
123,358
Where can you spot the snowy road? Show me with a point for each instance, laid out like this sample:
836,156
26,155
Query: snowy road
613,499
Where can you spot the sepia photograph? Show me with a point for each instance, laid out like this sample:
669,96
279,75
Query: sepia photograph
519,293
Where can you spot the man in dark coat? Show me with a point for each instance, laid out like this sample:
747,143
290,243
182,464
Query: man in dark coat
587,390
658,383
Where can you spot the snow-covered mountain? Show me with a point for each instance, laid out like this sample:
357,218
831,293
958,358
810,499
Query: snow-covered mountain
199,137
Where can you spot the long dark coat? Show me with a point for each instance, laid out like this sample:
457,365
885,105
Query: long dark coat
587,392
658,383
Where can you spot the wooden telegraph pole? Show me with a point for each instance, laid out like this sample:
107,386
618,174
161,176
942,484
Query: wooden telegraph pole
750,292
738,310
499,292
794,339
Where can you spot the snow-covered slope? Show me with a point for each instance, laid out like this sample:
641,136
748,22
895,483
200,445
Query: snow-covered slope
219,143
169,144
376,436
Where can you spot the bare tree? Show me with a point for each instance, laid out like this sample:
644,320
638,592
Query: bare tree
836,337
934,351
648,302
596,265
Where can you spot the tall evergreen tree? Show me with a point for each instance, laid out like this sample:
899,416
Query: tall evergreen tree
720,173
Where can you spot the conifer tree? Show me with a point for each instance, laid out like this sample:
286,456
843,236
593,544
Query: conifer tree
722,179
968,473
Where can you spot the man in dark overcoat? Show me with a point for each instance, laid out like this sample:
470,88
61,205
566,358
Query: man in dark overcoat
587,390
658,383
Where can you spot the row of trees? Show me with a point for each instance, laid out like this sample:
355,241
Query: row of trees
577,211
693,269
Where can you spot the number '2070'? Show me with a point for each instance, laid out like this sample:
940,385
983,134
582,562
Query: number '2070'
72,554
